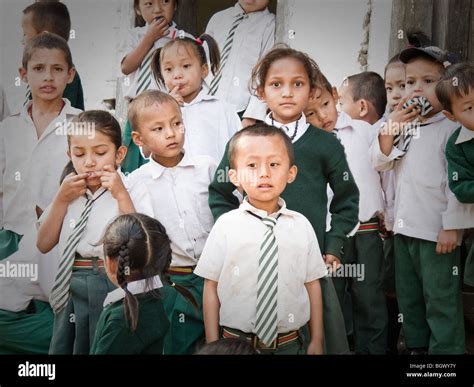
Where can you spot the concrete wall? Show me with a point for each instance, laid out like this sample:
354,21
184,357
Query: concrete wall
331,31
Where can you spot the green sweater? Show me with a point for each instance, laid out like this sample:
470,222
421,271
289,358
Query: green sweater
321,160
113,335
461,168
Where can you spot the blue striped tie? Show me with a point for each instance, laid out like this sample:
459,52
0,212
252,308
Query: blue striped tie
225,53
266,325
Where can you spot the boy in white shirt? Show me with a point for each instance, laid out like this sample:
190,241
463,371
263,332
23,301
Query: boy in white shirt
364,248
33,142
426,227
178,186
244,33
262,262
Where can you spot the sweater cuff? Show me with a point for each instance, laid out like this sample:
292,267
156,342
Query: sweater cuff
334,246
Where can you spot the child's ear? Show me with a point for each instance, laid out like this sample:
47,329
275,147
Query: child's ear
234,178
23,74
260,93
292,174
334,93
449,115
363,108
120,155
72,74
204,71
137,138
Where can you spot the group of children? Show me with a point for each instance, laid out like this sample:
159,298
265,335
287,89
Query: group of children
223,214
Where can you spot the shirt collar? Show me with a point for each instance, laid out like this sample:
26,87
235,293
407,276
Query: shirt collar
437,117
67,109
246,206
289,128
157,169
465,135
202,96
135,287
237,10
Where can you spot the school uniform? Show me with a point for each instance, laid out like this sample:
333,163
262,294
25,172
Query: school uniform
428,288
252,38
75,324
179,197
231,258
460,157
320,159
365,248
114,335
30,170
209,123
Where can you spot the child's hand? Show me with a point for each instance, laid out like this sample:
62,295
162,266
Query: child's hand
111,181
401,115
447,241
156,30
178,97
332,262
72,187
315,347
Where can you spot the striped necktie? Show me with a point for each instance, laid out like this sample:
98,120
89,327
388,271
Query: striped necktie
60,292
226,52
266,325
145,73
28,95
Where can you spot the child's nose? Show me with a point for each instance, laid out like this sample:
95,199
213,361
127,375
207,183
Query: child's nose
264,171
157,7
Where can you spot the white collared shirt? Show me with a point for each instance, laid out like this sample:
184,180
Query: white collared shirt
231,255
133,39
252,39
134,287
179,198
301,125
30,168
209,124
465,135
424,205
357,137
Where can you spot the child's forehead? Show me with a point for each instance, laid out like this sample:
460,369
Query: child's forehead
421,65
159,110
48,55
178,50
287,66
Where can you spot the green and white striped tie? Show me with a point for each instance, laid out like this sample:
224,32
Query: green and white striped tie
267,286
225,53
145,73
60,292
27,95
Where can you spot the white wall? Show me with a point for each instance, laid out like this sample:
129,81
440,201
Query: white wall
330,31
98,27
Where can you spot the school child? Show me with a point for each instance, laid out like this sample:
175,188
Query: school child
178,185
137,52
262,261
362,96
365,248
426,227
182,66
137,254
244,33
287,78
88,198
31,142
456,93
52,17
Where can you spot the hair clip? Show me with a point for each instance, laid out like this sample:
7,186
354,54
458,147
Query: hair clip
447,63
198,41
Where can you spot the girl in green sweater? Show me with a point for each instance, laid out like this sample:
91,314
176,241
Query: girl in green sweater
285,79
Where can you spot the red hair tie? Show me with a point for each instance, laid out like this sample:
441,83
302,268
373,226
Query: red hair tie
198,41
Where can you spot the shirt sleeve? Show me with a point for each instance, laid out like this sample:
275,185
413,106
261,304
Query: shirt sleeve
380,161
315,267
213,255
128,45
460,171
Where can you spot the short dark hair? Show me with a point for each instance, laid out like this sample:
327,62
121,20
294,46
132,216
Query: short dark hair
370,86
260,130
393,60
145,99
50,16
457,81
46,40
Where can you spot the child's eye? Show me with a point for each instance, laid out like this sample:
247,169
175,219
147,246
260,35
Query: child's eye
159,128
177,123
59,69
38,68
79,155
429,81
402,86
310,114
167,69
409,82
388,88
276,84
327,103
298,84
274,164
252,165
187,66
101,153
166,1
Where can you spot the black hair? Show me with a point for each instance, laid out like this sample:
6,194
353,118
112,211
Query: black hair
457,81
51,17
393,60
196,45
144,100
139,21
370,86
260,130
228,347
46,40
281,51
418,39
101,121
142,250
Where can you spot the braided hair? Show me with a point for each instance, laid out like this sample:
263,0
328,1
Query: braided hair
140,246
